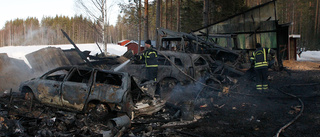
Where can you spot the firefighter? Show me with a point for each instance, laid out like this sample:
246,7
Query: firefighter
150,57
260,60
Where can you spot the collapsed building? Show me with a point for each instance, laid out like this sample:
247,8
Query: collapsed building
51,89
193,65
259,24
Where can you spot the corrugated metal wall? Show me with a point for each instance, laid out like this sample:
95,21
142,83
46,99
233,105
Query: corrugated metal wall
258,24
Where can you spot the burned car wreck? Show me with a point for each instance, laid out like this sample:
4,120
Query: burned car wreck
182,70
85,90
173,68
121,94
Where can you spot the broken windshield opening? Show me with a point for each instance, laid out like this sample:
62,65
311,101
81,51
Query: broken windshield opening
80,76
108,78
178,62
200,62
57,75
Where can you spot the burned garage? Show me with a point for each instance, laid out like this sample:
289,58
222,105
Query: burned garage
206,84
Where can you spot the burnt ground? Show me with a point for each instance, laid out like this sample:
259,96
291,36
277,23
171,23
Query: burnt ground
241,112
247,112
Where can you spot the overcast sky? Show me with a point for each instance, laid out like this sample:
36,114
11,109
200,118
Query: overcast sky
13,9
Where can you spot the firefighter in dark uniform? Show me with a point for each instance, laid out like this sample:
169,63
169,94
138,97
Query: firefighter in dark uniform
150,57
260,59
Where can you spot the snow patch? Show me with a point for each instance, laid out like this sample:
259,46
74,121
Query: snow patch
313,56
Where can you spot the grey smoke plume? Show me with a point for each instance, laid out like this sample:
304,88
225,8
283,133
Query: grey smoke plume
41,36
182,93
12,73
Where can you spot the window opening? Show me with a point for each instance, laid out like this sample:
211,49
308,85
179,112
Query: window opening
200,62
57,75
80,76
178,62
108,78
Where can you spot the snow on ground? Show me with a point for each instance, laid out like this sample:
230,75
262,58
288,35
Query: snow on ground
313,56
19,52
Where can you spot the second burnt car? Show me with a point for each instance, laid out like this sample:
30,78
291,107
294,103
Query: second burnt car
83,89
174,67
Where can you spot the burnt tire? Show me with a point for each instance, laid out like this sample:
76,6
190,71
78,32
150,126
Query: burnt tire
27,93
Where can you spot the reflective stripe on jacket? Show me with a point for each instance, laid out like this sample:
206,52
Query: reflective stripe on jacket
150,57
260,57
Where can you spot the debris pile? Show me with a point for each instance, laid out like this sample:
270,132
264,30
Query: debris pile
185,86
19,117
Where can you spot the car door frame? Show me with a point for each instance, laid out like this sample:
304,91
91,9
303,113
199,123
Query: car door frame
199,69
49,91
74,95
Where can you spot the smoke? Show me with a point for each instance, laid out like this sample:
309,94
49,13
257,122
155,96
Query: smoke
182,93
33,37
12,73
41,36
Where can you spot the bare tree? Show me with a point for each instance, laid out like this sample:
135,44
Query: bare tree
139,35
96,10
166,11
178,15
171,19
158,22
146,27
205,13
316,17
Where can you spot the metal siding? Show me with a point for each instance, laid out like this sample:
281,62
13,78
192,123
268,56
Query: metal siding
269,40
256,25
242,41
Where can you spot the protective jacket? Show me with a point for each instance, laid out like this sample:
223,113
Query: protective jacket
259,57
150,56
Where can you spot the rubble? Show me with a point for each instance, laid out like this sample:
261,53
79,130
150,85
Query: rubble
191,90
13,71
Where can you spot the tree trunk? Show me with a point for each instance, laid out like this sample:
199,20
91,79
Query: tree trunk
158,20
178,15
166,13
205,13
316,18
139,24
171,11
146,29
161,14
104,17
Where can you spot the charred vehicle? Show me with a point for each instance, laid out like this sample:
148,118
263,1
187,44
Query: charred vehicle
223,48
173,68
170,62
83,89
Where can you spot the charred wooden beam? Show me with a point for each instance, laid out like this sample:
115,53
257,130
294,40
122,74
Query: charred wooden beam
77,49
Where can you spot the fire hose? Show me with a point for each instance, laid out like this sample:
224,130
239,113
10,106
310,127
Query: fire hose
293,120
